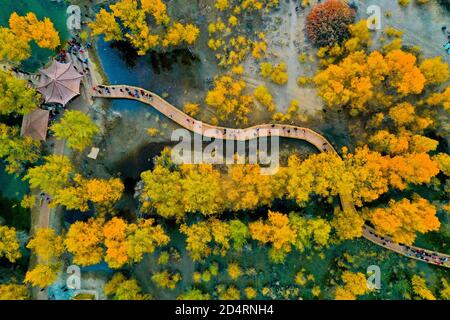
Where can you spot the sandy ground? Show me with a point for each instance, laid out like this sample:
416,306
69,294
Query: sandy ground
421,24
284,29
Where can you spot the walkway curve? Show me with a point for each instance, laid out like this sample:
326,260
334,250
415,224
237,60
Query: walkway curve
263,130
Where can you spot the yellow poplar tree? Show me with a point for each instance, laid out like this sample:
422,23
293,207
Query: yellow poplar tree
435,70
163,192
15,40
13,291
9,244
77,128
42,275
130,20
402,219
52,176
15,150
228,98
202,189
29,27
355,284
277,231
84,240
121,288
46,244
144,238
263,96
12,48
348,224
106,24
15,95
198,238
420,288
115,233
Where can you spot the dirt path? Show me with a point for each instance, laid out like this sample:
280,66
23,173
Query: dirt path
48,217
292,61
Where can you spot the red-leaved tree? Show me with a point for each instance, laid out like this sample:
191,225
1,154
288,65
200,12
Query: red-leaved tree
327,23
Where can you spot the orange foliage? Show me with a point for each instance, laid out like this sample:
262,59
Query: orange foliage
115,234
332,15
276,230
402,219
84,240
355,284
416,168
357,78
403,73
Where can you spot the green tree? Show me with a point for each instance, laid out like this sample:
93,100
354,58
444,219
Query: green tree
42,275
15,96
17,151
13,292
9,245
52,176
164,279
46,244
309,231
194,294
121,288
77,128
239,233
162,190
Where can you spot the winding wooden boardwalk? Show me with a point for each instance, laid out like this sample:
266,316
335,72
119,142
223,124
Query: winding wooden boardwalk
264,130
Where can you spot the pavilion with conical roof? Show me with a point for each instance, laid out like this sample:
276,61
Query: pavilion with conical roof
59,83
35,125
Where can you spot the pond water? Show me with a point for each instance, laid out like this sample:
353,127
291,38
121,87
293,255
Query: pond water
128,149
42,8
12,186
12,190
174,73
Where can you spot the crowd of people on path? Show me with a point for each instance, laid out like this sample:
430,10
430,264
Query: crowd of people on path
76,49
43,197
139,94
412,252
54,110
447,45
424,255
131,92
